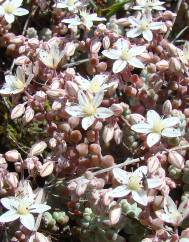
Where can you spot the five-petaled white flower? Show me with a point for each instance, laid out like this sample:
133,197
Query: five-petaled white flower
132,182
88,109
149,5
51,57
15,84
11,8
124,54
85,19
144,27
157,127
21,208
184,54
170,214
97,84
71,5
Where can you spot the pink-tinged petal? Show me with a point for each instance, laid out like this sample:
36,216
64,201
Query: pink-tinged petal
97,100
148,35
137,50
120,191
9,202
9,216
20,74
119,65
133,33
153,138
163,216
87,122
84,83
152,117
21,12
103,113
9,18
171,132
169,205
141,171
134,21
135,62
111,54
39,208
154,182
120,175
28,221
156,25
140,197
184,208
142,128
74,111
169,122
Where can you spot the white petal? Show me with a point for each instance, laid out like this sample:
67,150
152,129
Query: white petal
147,35
135,62
152,117
39,208
134,21
103,113
142,128
97,100
169,205
60,5
20,74
120,175
112,54
171,132
74,111
9,216
169,122
9,202
138,50
9,18
2,11
82,98
156,25
141,171
140,197
87,122
121,44
120,191
132,33
28,221
119,65
16,3
163,216
153,138
21,12
154,182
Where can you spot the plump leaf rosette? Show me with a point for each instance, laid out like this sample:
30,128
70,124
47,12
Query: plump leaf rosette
155,127
132,183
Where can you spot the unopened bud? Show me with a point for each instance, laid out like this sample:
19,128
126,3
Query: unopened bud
95,46
108,133
38,148
72,88
162,65
28,115
167,107
106,42
176,159
117,109
12,155
46,169
174,65
17,111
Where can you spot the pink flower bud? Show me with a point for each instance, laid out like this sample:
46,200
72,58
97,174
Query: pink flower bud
17,39
38,237
40,96
33,42
153,164
117,109
114,215
135,118
106,42
167,107
22,60
118,135
54,93
18,110
56,105
12,155
81,188
72,88
162,65
174,65
29,114
176,159
108,133
11,179
38,148
95,46
46,169
101,27
69,49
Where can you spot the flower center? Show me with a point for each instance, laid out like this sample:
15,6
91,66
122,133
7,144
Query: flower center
125,55
157,127
144,25
18,84
134,183
89,109
9,8
94,87
22,209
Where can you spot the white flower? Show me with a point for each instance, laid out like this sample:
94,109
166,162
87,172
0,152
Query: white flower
85,19
157,127
124,54
88,108
144,27
132,182
184,54
98,83
51,57
149,5
171,214
11,8
21,208
15,84
71,5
